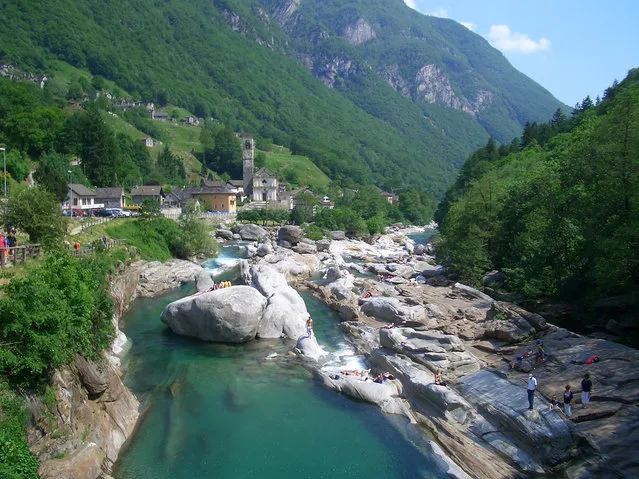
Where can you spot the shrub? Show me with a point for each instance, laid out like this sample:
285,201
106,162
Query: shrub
16,460
60,308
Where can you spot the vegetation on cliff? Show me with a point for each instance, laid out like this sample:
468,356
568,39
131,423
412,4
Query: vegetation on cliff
558,209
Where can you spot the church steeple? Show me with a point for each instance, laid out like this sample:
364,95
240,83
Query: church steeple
248,153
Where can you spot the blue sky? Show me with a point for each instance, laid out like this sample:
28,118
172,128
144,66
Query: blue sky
572,48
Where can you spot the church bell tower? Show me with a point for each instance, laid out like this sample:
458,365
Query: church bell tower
248,152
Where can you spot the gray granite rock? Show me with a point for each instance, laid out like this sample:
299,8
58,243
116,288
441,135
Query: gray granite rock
338,235
224,234
290,234
229,315
252,232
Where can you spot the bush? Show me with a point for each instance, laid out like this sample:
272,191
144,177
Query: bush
16,460
313,232
151,236
59,309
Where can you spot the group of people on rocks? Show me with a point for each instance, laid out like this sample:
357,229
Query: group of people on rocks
586,390
364,375
220,285
216,286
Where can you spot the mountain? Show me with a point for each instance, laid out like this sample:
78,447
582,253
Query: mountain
372,91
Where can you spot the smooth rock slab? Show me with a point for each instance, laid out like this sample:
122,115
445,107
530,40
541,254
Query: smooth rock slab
506,405
230,315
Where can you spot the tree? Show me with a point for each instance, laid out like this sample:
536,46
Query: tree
17,165
36,212
150,206
227,153
97,147
193,238
52,174
169,166
305,203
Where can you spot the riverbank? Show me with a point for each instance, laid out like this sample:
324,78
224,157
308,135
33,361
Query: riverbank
94,412
481,419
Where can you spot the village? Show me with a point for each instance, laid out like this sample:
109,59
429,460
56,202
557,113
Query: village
258,189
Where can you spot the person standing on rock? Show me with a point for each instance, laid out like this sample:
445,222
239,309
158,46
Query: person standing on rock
586,387
567,400
309,326
532,385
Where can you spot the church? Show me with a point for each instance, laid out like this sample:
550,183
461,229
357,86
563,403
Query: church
260,185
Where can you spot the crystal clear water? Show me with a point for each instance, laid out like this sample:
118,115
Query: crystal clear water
423,237
222,411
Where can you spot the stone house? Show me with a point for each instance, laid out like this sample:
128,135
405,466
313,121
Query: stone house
148,142
81,197
110,197
191,120
217,196
147,192
160,116
390,197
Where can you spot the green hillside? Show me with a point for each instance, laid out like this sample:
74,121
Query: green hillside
297,170
227,59
557,211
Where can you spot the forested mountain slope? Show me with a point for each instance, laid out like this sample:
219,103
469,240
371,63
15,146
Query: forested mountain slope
371,91
557,212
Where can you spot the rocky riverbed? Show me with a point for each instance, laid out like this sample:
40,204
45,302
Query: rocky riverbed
480,420
481,417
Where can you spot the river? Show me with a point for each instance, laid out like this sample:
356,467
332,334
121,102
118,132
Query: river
222,411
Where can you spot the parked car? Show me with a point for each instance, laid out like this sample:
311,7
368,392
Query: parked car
133,209
120,212
73,212
103,213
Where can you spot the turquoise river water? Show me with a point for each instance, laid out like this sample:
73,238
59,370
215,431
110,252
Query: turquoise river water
222,411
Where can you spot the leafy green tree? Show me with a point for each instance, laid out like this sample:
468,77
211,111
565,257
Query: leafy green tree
305,205
417,206
193,238
169,166
98,82
97,147
150,206
227,153
61,308
36,212
17,165
75,91
52,174
16,460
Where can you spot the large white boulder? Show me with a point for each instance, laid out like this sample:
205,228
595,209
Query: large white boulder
229,315
285,312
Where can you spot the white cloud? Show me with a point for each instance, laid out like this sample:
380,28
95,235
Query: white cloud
441,13
471,26
502,38
411,4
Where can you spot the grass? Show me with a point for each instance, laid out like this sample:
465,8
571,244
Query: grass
139,233
296,169
180,138
121,126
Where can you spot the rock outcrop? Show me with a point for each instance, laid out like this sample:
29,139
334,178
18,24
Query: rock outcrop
95,413
481,416
156,277
228,315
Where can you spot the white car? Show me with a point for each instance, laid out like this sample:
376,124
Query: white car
118,212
